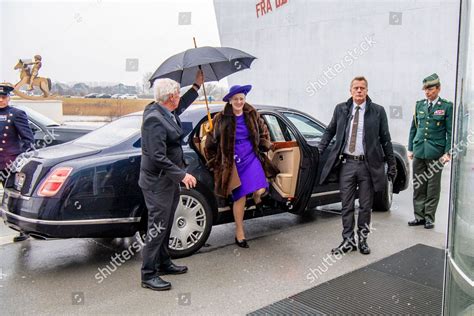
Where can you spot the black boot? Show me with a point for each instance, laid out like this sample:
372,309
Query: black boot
363,247
346,246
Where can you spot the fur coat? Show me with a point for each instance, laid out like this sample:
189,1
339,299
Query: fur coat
220,144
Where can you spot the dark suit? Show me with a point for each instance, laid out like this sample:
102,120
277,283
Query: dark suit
16,137
369,174
161,171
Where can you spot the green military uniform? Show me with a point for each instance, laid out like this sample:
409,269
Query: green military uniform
429,140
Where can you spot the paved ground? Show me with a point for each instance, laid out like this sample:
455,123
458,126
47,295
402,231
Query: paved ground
58,277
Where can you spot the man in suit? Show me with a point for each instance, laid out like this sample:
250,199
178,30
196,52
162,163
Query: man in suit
429,145
362,146
161,172
16,137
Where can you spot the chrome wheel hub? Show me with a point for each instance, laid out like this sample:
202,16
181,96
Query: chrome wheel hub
189,223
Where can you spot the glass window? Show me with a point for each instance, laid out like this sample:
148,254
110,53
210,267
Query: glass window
274,128
38,117
113,133
307,127
459,292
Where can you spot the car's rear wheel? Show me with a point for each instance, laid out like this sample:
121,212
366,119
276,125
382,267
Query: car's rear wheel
192,224
383,200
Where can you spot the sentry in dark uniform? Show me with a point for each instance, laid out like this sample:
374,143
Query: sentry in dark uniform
15,137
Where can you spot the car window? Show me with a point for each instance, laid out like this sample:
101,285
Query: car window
112,133
38,117
307,127
276,129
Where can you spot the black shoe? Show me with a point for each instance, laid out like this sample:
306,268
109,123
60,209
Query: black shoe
346,246
22,236
429,224
243,243
363,247
416,222
171,268
156,284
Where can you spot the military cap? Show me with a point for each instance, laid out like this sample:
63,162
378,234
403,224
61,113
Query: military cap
5,89
431,81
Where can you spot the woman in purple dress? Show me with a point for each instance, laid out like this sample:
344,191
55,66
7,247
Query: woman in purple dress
235,152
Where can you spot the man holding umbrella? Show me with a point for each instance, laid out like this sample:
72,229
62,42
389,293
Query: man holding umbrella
161,172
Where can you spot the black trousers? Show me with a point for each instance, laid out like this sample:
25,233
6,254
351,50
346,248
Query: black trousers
161,205
355,174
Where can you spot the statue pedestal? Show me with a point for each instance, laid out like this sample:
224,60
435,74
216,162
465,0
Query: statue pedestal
49,108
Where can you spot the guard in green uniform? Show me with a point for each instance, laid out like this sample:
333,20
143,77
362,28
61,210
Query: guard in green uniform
429,146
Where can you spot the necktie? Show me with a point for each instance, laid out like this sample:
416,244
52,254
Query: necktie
355,124
430,106
174,118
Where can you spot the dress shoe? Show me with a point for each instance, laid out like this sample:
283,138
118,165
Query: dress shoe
171,268
22,236
156,284
416,222
242,243
346,246
363,247
429,224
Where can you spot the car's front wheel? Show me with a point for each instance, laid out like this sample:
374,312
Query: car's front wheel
192,224
383,200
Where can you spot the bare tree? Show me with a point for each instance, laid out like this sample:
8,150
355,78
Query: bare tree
146,83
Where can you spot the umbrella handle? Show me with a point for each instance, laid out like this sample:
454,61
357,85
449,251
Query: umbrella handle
209,119
208,129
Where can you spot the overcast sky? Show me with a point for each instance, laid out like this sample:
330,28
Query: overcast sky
89,41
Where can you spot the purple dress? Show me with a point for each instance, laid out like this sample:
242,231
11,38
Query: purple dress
250,170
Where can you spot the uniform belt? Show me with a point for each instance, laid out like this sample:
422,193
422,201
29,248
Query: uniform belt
357,158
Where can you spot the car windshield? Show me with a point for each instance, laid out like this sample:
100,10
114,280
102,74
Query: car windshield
112,133
37,117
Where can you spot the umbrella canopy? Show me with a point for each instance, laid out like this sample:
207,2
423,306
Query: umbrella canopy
215,62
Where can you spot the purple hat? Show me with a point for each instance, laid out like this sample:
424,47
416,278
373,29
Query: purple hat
237,89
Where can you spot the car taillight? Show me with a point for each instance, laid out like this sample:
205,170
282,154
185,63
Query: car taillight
54,181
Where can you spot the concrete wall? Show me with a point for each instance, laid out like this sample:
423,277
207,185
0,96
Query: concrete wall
308,51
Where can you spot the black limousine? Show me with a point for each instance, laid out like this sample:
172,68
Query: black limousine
88,187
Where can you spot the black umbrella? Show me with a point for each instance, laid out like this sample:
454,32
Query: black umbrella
215,62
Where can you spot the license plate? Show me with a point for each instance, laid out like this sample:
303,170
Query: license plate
19,180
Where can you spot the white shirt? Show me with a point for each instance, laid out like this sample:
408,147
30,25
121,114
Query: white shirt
359,147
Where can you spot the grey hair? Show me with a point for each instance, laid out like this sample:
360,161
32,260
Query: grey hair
163,88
